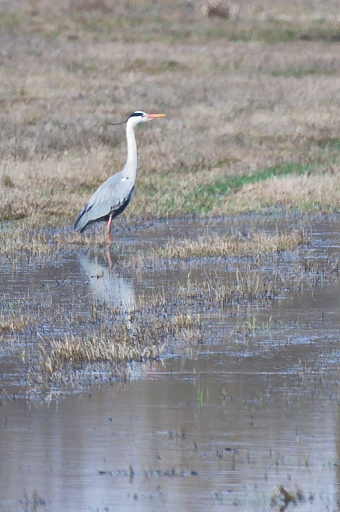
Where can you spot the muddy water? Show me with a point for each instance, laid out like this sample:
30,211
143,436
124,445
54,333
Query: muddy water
216,431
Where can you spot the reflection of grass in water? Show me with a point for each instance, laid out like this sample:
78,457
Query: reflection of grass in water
161,322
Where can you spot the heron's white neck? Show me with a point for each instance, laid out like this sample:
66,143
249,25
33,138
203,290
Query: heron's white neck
131,162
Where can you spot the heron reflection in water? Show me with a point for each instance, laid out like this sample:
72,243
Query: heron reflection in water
106,285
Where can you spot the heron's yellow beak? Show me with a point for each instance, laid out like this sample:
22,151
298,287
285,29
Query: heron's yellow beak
153,116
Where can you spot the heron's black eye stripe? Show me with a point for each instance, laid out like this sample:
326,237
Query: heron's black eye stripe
137,114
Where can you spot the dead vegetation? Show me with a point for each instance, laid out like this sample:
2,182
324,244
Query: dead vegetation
14,323
158,324
149,326
218,245
141,336
22,243
282,498
243,93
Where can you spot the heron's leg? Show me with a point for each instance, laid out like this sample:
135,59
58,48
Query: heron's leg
108,229
108,258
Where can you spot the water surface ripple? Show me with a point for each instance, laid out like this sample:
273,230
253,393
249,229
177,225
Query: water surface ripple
218,429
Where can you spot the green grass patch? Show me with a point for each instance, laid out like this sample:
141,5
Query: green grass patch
230,184
333,144
202,199
233,183
10,21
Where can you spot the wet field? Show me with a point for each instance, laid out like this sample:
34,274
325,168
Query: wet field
245,418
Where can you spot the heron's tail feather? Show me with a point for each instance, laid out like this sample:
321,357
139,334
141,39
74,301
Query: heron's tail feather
81,221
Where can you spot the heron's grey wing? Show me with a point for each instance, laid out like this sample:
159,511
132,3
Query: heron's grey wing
110,197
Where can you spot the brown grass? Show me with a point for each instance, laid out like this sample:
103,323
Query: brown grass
241,95
17,242
158,323
307,192
217,245
127,341
14,323
76,351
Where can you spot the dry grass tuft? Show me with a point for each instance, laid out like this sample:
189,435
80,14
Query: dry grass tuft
216,245
22,242
245,286
14,323
73,352
141,338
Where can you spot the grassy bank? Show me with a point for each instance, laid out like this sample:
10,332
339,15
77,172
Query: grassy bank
251,102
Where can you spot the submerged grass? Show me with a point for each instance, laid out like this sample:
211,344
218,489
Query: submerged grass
14,323
20,243
143,336
158,324
77,351
218,245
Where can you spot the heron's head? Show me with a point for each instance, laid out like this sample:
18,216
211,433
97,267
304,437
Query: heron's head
139,117
142,117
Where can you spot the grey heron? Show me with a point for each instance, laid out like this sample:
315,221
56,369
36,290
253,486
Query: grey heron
114,195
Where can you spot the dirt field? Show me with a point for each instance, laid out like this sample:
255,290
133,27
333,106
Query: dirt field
251,92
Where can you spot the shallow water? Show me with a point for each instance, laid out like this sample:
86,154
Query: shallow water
218,430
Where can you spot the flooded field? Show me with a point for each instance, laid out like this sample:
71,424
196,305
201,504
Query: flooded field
240,409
